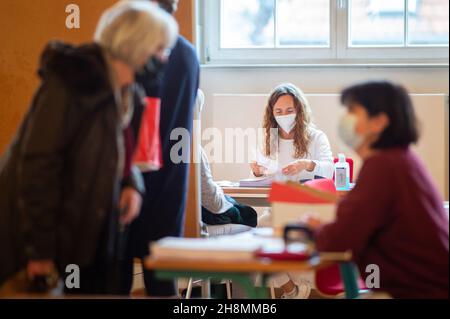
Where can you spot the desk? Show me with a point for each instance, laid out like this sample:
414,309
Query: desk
240,271
255,197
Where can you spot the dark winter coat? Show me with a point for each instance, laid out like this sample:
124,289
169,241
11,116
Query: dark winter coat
61,177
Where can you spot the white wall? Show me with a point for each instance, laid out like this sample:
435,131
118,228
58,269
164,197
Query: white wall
316,81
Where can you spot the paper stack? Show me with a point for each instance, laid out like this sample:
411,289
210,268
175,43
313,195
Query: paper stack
225,248
264,182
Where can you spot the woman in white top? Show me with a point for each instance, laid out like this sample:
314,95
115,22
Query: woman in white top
294,147
292,144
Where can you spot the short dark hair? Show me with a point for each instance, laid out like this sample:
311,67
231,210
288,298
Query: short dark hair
392,99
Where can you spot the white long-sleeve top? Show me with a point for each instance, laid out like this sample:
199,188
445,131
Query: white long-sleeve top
213,198
319,151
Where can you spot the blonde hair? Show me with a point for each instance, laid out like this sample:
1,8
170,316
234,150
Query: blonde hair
134,30
303,120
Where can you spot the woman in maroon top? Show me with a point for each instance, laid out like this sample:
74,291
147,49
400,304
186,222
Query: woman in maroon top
394,218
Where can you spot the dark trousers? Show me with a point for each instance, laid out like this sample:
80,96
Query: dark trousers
102,276
154,287
93,281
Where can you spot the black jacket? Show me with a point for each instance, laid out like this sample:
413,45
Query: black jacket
61,177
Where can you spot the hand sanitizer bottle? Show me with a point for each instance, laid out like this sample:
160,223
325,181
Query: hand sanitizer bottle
342,174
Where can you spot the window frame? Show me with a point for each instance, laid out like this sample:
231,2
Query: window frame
339,51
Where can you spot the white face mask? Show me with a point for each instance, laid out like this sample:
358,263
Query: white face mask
347,131
286,122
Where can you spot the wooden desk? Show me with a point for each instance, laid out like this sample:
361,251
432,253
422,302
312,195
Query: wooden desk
256,197
240,271
252,266
236,271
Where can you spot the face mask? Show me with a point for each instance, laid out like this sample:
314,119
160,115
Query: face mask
347,131
151,75
168,5
286,122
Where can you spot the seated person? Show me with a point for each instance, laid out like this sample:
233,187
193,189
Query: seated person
394,218
292,143
217,208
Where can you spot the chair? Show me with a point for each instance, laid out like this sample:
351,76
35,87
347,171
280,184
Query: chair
350,163
329,284
328,280
194,227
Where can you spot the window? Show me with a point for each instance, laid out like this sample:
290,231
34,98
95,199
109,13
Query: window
423,23
321,31
275,24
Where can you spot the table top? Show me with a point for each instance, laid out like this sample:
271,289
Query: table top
258,192
255,194
247,190
263,265
251,266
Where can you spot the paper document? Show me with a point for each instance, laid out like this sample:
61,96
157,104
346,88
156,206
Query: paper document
221,248
264,182
264,161
227,184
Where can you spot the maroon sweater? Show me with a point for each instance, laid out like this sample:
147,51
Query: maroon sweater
394,218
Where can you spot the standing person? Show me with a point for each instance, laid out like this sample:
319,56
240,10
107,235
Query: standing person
62,179
298,150
394,218
164,204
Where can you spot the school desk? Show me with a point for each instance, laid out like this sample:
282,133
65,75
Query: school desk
241,271
256,197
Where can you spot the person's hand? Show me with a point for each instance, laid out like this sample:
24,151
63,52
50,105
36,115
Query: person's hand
257,170
37,268
312,221
130,205
299,166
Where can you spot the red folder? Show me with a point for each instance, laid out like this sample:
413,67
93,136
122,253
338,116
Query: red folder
148,154
320,191
285,255
324,185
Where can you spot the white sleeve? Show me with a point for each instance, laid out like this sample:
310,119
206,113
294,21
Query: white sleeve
213,198
323,157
